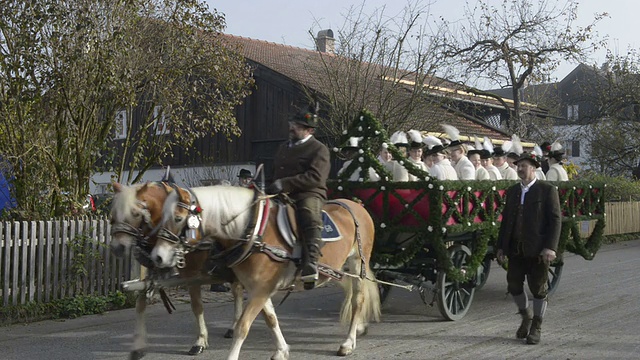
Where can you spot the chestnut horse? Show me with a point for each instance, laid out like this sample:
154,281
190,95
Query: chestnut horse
264,265
136,213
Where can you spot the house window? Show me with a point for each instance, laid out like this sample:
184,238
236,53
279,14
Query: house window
494,120
121,124
160,121
572,148
572,112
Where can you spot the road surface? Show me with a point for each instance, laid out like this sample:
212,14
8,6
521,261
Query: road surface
595,314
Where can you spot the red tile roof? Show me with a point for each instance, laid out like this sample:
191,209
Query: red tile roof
293,63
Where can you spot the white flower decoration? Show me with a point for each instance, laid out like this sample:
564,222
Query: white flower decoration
605,214
430,186
444,229
469,188
359,128
361,179
377,132
589,214
340,188
468,224
344,132
361,118
589,186
455,202
573,215
441,188
401,162
574,188
426,178
406,205
383,188
335,149
360,151
383,225
361,159
386,178
493,188
493,223
430,228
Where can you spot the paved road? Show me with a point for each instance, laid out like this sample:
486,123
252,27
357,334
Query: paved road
595,314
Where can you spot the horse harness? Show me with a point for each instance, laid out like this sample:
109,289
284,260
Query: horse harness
252,242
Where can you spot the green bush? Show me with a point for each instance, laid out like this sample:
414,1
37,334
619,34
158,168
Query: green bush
68,308
619,188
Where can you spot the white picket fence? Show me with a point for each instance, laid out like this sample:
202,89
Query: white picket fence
41,261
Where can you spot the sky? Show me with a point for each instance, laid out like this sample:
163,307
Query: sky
289,21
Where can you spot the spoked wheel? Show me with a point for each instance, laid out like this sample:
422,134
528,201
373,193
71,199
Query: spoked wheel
454,298
555,271
483,272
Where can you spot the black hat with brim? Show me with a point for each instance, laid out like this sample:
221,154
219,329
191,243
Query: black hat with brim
244,173
436,149
485,154
474,152
558,155
305,118
415,145
498,152
531,157
513,156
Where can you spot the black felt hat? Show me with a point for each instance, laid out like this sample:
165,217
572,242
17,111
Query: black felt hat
244,173
531,157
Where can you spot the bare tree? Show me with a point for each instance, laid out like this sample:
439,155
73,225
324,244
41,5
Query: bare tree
382,62
516,43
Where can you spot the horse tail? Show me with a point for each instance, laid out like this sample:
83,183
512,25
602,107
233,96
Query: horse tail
362,291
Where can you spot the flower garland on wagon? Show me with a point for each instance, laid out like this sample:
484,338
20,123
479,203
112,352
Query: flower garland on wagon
453,206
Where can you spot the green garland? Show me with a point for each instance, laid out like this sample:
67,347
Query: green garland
462,201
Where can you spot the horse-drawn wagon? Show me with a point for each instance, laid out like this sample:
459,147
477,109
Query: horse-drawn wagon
438,236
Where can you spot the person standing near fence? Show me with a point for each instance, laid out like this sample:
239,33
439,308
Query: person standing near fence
528,237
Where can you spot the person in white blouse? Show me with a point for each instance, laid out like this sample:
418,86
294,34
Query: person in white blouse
500,161
396,166
486,159
458,152
556,171
474,156
537,150
441,169
351,152
415,153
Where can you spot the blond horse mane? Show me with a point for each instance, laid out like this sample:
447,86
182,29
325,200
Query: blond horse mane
226,210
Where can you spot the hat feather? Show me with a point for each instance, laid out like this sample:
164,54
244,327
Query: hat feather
506,146
415,136
556,146
452,132
431,141
487,144
478,144
537,150
399,137
516,146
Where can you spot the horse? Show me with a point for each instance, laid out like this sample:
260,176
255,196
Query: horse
136,215
264,263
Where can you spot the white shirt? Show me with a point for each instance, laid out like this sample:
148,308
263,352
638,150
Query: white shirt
355,176
301,141
525,189
449,173
483,174
465,169
420,165
507,172
494,173
557,173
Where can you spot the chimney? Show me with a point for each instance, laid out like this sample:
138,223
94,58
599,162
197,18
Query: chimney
325,41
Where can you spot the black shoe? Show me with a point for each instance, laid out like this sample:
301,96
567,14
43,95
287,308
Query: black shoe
309,276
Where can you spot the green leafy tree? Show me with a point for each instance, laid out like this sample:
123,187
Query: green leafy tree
67,68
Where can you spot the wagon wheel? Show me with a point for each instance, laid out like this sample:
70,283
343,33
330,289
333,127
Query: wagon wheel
555,271
483,272
454,298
